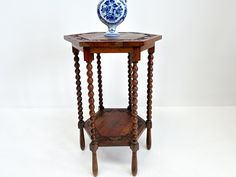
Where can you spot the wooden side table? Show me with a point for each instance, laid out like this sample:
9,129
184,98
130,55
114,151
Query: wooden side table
114,127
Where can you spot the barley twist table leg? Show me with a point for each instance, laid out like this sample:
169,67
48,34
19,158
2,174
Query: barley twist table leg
134,144
149,97
79,97
93,144
129,79
99,70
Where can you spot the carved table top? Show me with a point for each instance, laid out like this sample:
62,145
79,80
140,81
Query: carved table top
125,40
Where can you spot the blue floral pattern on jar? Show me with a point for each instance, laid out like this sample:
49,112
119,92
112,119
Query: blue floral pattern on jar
112,13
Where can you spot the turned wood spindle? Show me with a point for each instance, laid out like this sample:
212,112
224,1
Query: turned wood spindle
129,79
99,71
149,97
79,97
134,144
93,144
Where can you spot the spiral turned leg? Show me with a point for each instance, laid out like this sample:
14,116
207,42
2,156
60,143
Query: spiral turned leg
99,70
129,80
93,144
149,97
134,144
79,97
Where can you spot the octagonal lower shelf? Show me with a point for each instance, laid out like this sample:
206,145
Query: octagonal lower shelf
114,127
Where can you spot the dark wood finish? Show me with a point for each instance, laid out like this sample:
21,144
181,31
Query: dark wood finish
134,163
88,56
129,80
134,100
93,145
149,97
91,100
114,127
126,39
79,97
95,163
112,50
131,42
134,144
99,68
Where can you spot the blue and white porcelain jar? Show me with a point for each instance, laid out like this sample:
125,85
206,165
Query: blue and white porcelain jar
112,13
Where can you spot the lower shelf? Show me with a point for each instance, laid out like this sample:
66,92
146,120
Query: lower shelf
114,127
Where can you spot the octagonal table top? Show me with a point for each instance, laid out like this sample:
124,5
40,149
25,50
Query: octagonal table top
125,39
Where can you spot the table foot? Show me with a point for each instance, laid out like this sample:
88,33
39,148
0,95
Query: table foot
82,142
149,139
94,164
93,148
134,164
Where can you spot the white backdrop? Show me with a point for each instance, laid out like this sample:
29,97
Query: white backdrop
194,63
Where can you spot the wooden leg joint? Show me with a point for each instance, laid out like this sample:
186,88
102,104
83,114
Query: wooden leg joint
93,146
134,146
129,108
149,124
81,124
75,51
